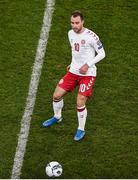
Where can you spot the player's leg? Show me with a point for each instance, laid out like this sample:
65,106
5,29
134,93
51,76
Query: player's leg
85,91
66,84
82,115
58,101
81,111
57,107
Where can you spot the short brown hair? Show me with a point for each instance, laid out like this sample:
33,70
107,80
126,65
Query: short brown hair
77,13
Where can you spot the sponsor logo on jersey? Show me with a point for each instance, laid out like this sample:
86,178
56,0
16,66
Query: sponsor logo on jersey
99,44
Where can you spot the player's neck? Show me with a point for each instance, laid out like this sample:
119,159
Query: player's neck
82,30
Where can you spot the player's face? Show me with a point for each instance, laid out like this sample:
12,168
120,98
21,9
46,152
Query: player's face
77,24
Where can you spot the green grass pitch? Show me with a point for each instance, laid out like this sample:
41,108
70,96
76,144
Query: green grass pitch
110,148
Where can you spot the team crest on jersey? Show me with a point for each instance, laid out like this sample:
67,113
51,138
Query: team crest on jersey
83,42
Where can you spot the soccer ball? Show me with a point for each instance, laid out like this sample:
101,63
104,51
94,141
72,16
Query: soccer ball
53,169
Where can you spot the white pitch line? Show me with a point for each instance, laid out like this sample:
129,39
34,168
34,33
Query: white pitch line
30,101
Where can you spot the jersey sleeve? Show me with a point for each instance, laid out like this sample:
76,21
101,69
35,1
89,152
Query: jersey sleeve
69,37
97,45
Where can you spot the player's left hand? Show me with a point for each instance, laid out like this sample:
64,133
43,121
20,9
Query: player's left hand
84,69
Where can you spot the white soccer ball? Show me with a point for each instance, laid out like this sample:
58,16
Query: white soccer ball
54,169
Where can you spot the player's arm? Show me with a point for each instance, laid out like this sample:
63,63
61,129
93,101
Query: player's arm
96,43
68,68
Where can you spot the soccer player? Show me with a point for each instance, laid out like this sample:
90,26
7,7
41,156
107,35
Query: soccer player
87,50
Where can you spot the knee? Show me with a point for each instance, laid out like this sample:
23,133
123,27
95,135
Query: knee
57,97
81,101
